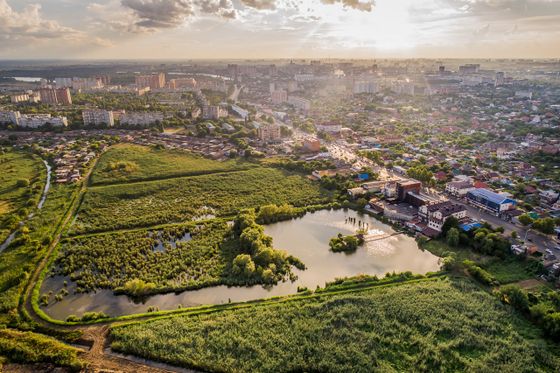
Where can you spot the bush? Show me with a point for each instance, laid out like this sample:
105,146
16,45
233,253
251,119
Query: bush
480,274
515,296
22,182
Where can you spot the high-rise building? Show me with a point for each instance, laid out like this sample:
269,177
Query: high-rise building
98,117
470,68
154,81
299,103
279,96
500,77
214,112
58,96
269,132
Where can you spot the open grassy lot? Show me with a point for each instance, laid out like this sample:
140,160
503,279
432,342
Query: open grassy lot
21,182
181,199
129,162
425,326
504,270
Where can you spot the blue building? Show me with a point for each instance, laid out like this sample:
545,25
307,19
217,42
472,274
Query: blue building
490,201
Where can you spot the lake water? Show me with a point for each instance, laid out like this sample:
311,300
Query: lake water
26,79
306,238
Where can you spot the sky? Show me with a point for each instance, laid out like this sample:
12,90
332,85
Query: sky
268,29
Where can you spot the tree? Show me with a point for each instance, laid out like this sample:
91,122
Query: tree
545,225
450,222
453,237
243,265
525,220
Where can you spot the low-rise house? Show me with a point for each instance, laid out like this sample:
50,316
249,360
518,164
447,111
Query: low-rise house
459,188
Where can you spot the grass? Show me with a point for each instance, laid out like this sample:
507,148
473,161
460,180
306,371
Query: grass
21,257
158,257
438,325
507,270
128,162
177,200
29,348
17,200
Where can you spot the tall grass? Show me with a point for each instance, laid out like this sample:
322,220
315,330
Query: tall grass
425,326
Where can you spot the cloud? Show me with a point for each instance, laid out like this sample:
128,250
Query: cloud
159,13
363,5
28,25
260,4
151,15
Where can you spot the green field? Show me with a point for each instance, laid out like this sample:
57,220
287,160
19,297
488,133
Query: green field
21,183
182,199
128,162
427,326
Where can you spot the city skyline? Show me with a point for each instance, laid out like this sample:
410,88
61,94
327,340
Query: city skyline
268,29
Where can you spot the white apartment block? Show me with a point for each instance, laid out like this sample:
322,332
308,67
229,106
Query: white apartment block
10,117
299,103
98,117
16,99
365,86
329,127
459,188
141,118
39,120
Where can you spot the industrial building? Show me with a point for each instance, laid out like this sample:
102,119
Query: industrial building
490,201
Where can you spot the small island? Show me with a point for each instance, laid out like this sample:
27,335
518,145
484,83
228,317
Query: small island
347,244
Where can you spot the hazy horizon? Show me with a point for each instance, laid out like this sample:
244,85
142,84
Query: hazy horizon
274,29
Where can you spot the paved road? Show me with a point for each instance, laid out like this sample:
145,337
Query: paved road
542,242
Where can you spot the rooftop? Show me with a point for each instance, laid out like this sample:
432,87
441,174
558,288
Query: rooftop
490,195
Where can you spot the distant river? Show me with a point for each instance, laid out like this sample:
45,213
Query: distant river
306,238
12,236
26,79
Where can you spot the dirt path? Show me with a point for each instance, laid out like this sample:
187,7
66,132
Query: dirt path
530,284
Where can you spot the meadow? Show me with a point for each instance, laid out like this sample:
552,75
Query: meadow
430,325
129,162
21,183
177,200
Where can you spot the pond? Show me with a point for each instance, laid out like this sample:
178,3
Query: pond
306,238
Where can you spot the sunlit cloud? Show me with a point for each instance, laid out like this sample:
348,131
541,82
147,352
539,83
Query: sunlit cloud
283,28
